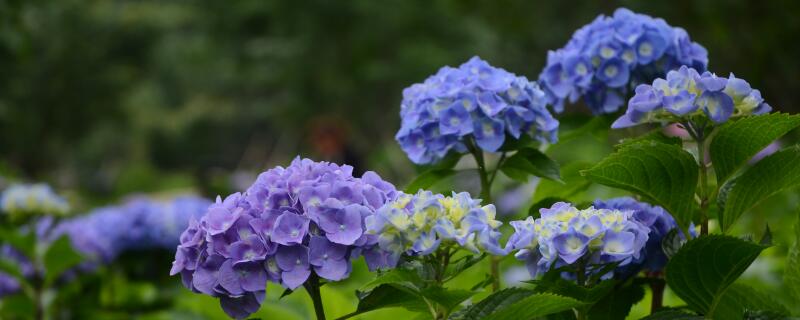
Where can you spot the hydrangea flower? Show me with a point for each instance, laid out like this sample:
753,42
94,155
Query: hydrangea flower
9,285
418,224
686,93
138,224
611,55
565,236
474,101
660,223
306,218
32,199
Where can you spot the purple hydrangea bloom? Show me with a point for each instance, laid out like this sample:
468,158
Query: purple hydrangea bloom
138,224
607,58
474,101
685,93
564,235
308,218
9,285
660,223
418,224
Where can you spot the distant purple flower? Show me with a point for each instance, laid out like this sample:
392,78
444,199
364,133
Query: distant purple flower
686,93
608,57
474,101
308,217
138,224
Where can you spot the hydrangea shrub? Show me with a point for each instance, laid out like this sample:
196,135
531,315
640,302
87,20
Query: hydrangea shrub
291,227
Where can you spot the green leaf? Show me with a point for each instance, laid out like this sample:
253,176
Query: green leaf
773,174
496,301
10,268
737,142
705,267
24,242
656,135
463,263
739,298
533,306
662,173
387,296
617,304
447,298
17,306
428,178
672,314
58,258
394,276
791,274
529,161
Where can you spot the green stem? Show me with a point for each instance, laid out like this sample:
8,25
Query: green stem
703,192
312,286
486,196
580,274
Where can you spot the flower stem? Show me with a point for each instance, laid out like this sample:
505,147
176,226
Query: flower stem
312,286
703,192
657,287
486,196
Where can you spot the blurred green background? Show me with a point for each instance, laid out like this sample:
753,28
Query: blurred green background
104,98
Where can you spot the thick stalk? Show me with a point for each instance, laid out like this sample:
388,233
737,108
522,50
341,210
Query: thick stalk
312,286
657,287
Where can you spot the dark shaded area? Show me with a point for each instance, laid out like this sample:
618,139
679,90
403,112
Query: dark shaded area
114,96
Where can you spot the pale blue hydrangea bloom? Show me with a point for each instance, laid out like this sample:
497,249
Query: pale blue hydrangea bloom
565,236
32,199
476,101
607,58
686,93
306,218
419,224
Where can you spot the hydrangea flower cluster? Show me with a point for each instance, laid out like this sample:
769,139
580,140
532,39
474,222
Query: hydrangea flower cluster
308,217
564,236
686,93
476,101
660,223
418,224
32,199
138,224
611,55
9,285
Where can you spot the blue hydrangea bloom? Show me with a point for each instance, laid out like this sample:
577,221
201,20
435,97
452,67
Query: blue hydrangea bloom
139,224
685,93
476,101
611,55
564,235
418,224
658,220
306,218
32,199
